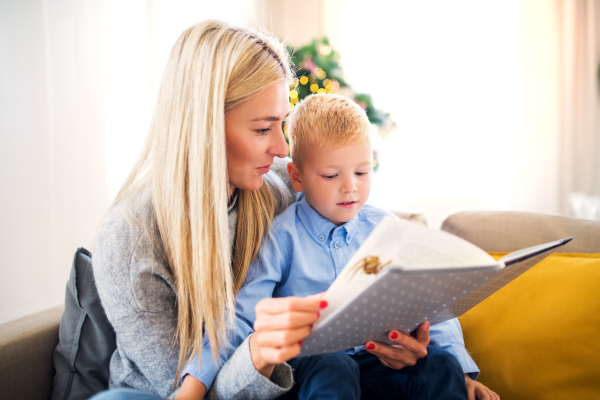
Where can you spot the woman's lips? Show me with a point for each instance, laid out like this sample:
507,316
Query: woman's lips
347,204
264,169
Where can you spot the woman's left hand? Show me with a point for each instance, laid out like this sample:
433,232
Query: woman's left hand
406,350
479,391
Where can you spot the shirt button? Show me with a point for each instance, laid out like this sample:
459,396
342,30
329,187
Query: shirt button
321,237
336,245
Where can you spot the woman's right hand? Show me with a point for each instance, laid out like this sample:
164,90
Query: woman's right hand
280,326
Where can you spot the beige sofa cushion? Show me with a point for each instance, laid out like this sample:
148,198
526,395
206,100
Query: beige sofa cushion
26,348
511,230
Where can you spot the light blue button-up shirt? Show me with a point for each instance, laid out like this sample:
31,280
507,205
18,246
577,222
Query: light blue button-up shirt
302,255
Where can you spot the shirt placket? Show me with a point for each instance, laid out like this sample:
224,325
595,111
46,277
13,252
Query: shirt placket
338,251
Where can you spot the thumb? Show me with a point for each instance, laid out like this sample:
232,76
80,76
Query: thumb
423,333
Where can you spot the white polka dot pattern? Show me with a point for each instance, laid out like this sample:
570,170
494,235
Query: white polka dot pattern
402,300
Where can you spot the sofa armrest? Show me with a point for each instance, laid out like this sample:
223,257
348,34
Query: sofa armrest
26,349
512,230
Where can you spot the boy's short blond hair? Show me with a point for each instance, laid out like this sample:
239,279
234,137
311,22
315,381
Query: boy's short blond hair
325,120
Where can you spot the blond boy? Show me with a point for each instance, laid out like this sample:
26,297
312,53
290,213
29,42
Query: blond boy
310,243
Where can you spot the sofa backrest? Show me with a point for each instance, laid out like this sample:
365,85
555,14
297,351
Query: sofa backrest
512,230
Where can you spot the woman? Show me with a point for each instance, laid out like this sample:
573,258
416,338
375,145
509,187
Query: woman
175,247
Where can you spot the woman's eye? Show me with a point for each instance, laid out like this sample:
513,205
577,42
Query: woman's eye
263,131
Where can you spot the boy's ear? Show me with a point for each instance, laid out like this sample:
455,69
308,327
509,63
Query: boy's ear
294,173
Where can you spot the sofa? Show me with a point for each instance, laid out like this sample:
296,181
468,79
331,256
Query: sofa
536,338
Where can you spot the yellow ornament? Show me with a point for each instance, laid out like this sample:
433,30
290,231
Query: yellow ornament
293,94
303,80
314,88
321,91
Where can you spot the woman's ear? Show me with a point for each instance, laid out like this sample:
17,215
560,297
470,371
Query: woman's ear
294,173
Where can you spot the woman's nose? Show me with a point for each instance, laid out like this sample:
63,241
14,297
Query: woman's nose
279,146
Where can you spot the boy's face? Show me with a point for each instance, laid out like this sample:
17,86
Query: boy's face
336,183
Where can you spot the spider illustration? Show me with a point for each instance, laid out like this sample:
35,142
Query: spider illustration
369,265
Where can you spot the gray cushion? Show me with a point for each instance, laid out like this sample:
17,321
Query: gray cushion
86,338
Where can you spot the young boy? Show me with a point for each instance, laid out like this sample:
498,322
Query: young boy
310,243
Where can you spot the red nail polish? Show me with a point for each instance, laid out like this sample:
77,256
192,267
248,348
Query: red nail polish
394,335
323,304
318,314
370,346
311,325
426,324
299,342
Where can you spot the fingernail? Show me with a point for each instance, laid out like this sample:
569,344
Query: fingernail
426,324
299,342
394,335
318,314
311,325
323,304
370,346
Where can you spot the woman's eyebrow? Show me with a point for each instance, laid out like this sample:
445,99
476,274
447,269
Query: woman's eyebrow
270,118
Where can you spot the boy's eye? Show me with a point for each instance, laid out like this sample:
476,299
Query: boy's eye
263,131
329,176
361,173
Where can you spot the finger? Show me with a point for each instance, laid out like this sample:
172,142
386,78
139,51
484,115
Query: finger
422,333
482,394
471,392
409,343
397,358
281,338
278,305
284,321
278,355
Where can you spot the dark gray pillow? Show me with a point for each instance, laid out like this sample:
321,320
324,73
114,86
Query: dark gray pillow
86,338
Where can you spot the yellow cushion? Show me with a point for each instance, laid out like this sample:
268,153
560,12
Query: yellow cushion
539,336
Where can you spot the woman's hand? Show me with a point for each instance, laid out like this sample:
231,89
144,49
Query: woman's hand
406,351
479,391
280,326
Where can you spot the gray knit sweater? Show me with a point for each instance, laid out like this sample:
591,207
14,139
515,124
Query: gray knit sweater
137,290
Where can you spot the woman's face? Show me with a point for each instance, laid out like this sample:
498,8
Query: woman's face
254,136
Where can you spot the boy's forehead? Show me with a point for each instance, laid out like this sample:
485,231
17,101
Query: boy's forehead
330,156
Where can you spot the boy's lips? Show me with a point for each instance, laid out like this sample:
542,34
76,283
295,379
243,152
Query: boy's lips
347,204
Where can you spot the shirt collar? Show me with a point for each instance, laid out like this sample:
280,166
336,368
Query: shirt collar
319,228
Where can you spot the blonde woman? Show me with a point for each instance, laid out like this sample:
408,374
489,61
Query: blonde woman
173,250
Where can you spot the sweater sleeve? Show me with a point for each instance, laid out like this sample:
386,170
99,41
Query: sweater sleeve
238,379
138,296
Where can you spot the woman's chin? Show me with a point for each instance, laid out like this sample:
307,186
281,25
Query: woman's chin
251,185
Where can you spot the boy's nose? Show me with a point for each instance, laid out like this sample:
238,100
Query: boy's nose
349,185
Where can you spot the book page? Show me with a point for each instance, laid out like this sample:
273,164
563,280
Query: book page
404,244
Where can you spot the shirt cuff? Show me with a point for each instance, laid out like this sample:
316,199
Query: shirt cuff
464,359
239,375
205,372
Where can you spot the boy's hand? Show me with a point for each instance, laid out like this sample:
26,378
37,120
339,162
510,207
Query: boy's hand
406,351
280,326
479,391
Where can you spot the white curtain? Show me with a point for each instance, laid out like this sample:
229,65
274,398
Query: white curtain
557,148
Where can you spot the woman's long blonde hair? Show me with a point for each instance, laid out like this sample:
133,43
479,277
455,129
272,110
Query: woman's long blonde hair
212,68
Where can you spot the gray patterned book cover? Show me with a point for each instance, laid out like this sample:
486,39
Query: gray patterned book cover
405,274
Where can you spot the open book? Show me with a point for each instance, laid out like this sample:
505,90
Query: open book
405,274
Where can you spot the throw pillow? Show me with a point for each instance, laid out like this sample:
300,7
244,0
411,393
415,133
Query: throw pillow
537,337
86,338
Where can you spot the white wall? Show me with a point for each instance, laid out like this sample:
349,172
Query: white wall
78,80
